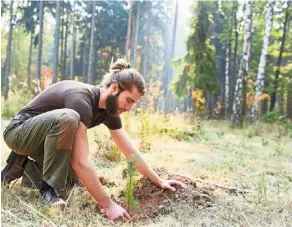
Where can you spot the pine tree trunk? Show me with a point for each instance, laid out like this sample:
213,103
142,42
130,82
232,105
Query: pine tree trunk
135,42
262,64
29,62
8,53
40,47
73,43
227,71
128,51
84,58
237,118
91,47
64,70
279,61
56,43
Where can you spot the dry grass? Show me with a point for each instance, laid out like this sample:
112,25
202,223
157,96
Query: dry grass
234,157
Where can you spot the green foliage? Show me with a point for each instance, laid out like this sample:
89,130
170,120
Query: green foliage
274,115
130,199
144,132
199,69
19,96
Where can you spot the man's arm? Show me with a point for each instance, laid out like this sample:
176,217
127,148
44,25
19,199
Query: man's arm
121,139
88,177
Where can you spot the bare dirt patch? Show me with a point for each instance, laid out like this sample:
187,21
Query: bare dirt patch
153,201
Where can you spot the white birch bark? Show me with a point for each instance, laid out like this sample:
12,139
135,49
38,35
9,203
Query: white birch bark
237,109
262,64
226,99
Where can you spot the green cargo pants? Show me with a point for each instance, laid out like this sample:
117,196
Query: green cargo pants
47,139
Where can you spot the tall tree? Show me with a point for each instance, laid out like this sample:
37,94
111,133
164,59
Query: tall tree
237,110
136,33
198,69
30,21
91,47
73,42
40,43
227,79
279,60
8,52
262,64
56,43
129,31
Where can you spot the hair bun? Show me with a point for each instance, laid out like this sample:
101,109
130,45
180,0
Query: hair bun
119,65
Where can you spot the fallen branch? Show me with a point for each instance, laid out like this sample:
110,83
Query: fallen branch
229,189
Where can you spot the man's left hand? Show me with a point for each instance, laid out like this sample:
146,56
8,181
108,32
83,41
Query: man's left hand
168,184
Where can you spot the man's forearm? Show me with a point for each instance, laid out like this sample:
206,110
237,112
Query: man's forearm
84,169
87,176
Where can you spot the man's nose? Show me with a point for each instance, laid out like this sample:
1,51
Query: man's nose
128,107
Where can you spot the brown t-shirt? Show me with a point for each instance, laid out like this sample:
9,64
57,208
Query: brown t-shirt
83,98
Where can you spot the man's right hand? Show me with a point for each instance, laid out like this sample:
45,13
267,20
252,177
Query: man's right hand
116,212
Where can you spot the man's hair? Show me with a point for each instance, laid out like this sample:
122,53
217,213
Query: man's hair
127,77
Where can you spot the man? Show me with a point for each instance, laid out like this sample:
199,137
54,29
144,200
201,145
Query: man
52,131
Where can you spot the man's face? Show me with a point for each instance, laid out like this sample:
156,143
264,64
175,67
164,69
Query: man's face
119,102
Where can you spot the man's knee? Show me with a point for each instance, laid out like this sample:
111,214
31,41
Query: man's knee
70,118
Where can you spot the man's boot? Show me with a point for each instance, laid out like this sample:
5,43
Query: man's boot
14,167
51,197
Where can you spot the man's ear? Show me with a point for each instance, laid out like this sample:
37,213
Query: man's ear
115,88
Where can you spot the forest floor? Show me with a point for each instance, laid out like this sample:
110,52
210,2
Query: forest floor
257,158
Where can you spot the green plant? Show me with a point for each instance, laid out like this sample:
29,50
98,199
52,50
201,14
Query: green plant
131,173
279,145
262,188
19,96
250,132
107,148
274,115
144,132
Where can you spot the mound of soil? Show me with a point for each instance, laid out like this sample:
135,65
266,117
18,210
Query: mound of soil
154,201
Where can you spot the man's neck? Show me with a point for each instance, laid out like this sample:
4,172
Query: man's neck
102,98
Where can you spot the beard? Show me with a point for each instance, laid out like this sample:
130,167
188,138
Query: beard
112,104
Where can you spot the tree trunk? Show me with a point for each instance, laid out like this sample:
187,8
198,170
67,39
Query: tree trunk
73,43
135,43
29,62
227,71
128,51
84,58
262,64
91,48
40,47
289,100
8,52
237,118
64,75
56,43
234,63
279,61
62,42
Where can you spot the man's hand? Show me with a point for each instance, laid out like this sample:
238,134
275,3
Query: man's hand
116,212
167,184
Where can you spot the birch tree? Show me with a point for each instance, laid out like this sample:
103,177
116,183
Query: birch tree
237,109
262,64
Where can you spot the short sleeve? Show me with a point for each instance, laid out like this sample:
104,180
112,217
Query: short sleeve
113,122
78,103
